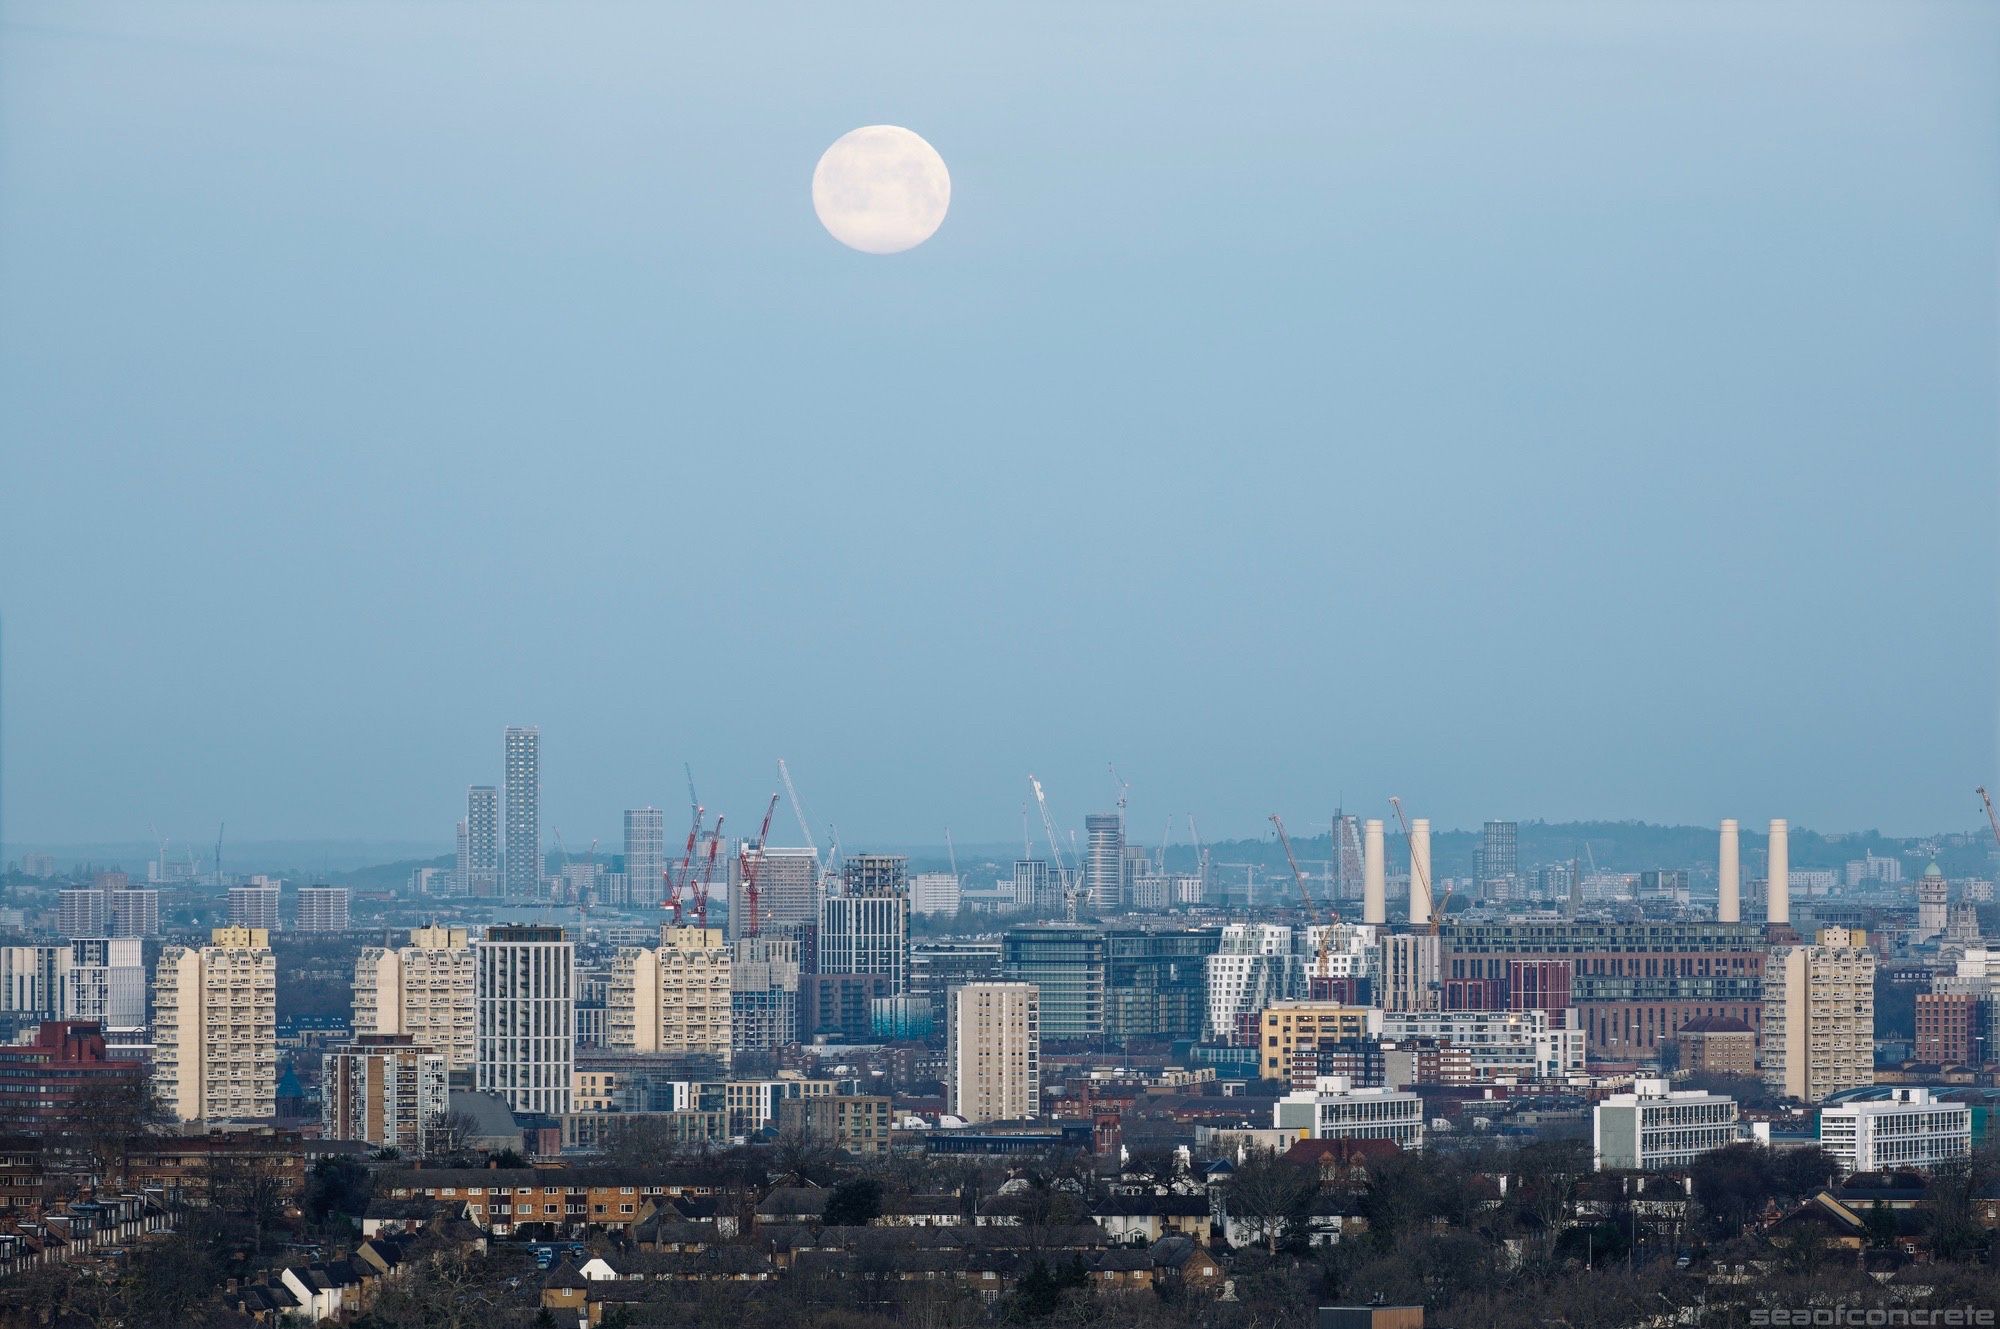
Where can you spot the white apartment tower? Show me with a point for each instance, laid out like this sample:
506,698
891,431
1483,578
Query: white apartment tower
106,982
523,864
524,994
479,855
1104,868
424,990
135,912
83,912
993,1048
254,905
216,1027
322,909
645,856
674,999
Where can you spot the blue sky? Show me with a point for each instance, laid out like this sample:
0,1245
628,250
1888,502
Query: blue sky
1530,410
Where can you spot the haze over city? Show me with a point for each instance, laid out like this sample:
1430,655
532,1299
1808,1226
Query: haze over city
1531,416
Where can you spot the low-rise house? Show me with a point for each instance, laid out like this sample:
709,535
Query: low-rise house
1147,1218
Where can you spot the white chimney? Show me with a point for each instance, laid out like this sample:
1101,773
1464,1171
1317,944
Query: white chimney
1374,883
1778,877
1420,871
1729,895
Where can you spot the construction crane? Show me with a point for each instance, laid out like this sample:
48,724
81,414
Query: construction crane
1423,880
1166,833
952,851
1200,856
752,860
1069,883
1124,789
675,878
1991,820
1027,841
707,874
1313,915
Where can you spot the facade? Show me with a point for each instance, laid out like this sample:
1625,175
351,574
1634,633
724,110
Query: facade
1065,963
787,892
524,994
936,967
135,912
1333,1109
1933,899
1410,972
385,1089
1156,981
1717,1045
1104,865
673,999
479,855
1500,858
1254,965
1035,886
1818,1035
215,1027
874,875
83,912
1292,1032
424,990
1633,984
1951,1028
255,905
866,934
1521,1045
857,1123
841,1007
53,1080
522,865
1908,1130
764,992
1657,1127
106,982
993,1047
646,857
322,909
934,893
32,978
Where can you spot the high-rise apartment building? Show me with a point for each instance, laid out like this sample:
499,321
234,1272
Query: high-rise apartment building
787,892
523,863
32,978
1818,1036
673,999
1065,963
135,912
322,909
1254,965
525,1027
424,989
1104,867
1156,981
385,1089
866,929
479,854
215,1016
645,856
1500,856
106,982
254,905
993,1050
86,912
1035,886
934,893
764,992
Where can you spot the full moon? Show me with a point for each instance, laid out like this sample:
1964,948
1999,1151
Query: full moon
881,189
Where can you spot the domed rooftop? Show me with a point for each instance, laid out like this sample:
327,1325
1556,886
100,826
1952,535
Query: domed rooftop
1933,870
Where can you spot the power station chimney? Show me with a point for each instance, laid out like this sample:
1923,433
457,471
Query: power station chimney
1374,883
1778,876
1729,885
1420,871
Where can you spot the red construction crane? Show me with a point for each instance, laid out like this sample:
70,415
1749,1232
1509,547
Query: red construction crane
673,878
1991,820
707,874
753,859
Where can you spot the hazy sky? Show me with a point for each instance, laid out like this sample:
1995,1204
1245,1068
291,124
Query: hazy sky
1546,410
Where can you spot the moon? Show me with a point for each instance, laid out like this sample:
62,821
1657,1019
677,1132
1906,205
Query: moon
881,189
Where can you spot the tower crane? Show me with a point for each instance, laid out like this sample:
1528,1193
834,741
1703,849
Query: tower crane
675,878
1423,878
1991,820
1200,856
952,851
1069,883
707,874
1313,916
752,860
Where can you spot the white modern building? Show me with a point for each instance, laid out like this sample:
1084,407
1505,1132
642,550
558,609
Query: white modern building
479,842
1254,965
522,865
645,857
934,893
1910,1129
993,1046
1333,1109
254,905
135,912
1656,1126
866,934
83,912
322,909
525,1026
1525,1045
106,982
